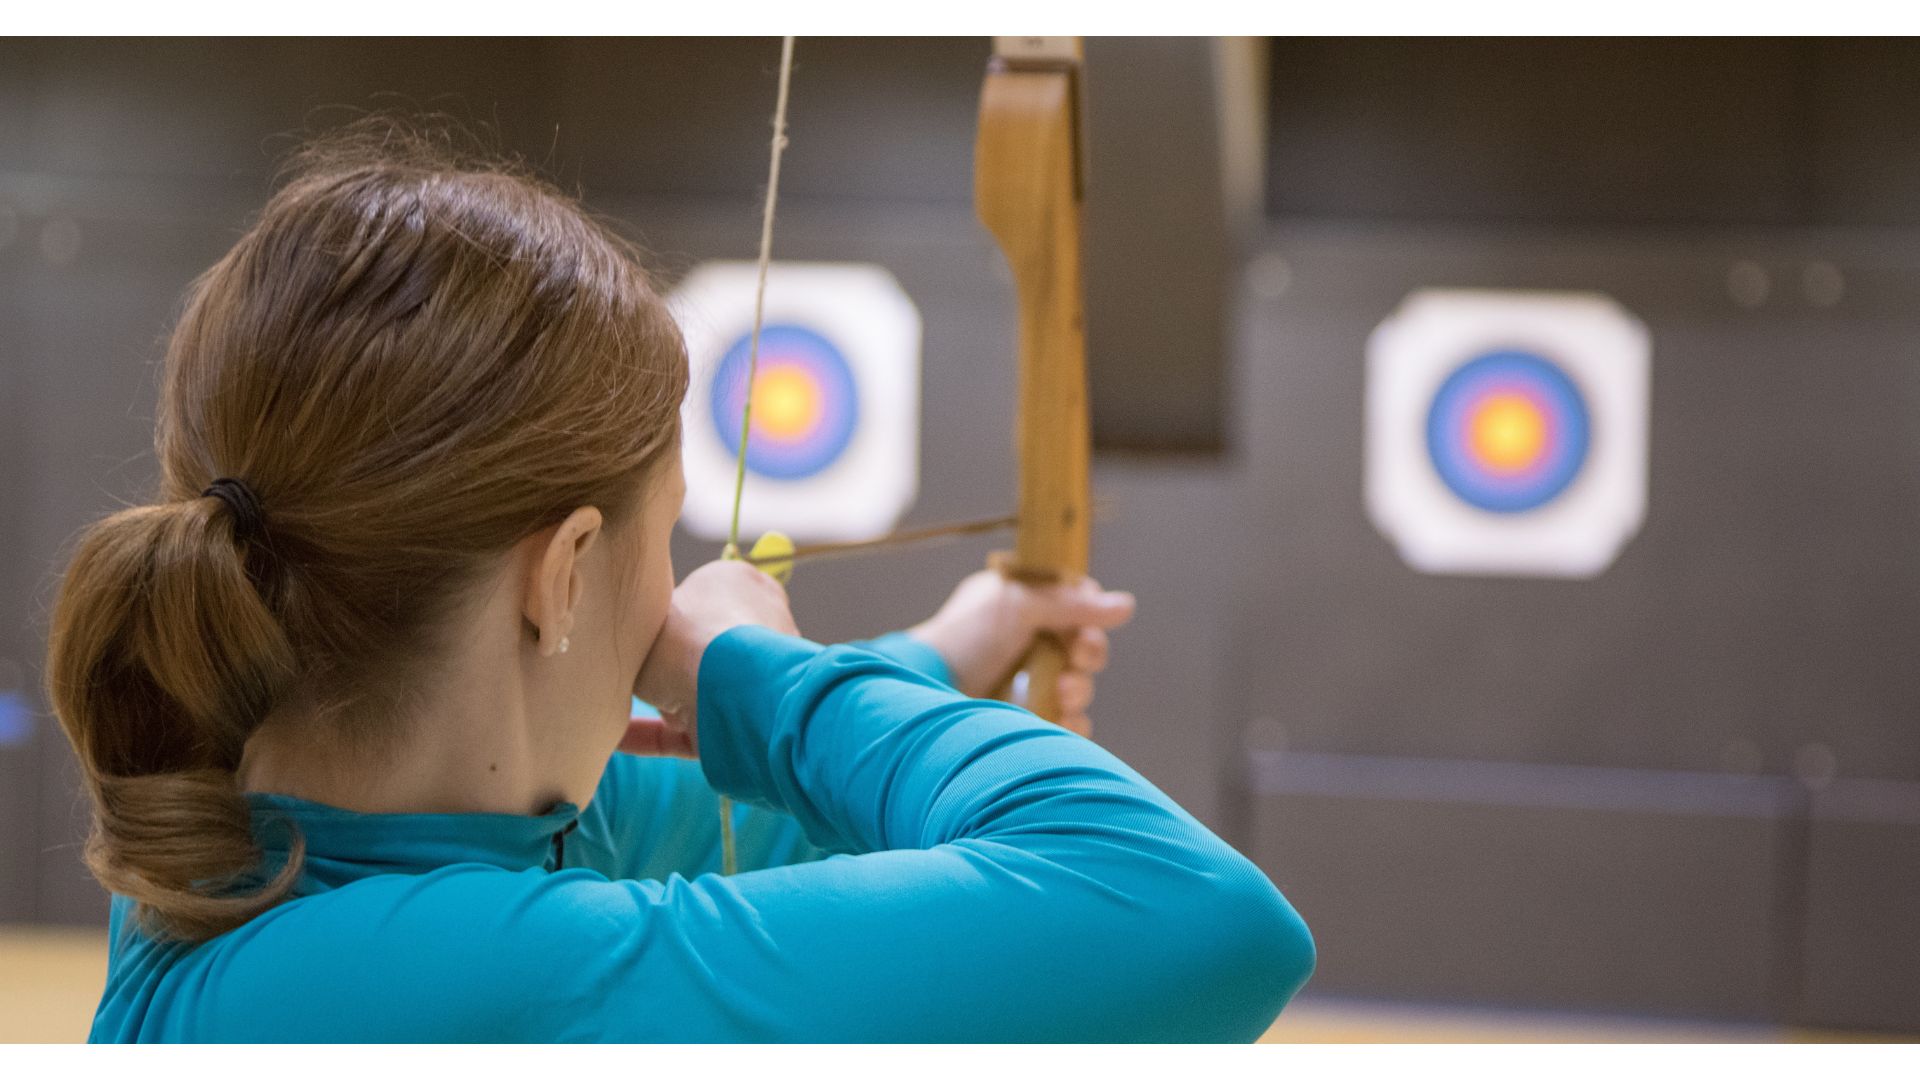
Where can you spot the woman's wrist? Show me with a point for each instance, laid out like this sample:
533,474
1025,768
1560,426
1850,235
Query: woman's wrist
949,643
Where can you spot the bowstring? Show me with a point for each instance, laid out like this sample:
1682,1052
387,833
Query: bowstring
729,857
760,289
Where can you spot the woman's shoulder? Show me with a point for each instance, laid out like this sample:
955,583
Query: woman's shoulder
454,954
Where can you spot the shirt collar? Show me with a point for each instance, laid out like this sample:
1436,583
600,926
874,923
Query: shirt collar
343,845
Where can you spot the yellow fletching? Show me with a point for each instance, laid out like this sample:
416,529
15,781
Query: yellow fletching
772,546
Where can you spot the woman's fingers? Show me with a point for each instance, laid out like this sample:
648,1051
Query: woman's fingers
1084,604
1082,613
1088,650
1087,653
991,619
1076,691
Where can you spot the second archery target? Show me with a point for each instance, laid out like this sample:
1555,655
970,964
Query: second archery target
1507,431
833,452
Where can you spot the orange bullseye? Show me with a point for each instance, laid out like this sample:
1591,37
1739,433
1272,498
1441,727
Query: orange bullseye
1508,433
786,402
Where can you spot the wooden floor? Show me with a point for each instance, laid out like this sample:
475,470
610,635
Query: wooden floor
1315,1020
50,982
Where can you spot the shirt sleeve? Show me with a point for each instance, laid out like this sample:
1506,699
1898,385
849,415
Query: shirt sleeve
1005,880
911,653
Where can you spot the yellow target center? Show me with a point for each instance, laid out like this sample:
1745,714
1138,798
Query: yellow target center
786,402
1508,433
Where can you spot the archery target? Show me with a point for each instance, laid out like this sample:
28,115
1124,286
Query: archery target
1507,431
833,450
805,404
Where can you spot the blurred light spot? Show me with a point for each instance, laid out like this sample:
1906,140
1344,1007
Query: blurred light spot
16,720
1823,283
1815,765
1741,756
60,241
1748,284
1269,276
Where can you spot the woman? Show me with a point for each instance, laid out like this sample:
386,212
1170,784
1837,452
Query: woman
349,698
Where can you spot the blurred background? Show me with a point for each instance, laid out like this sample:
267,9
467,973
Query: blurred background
1678,799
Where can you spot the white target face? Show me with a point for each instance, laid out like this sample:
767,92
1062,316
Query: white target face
1507,431
834,448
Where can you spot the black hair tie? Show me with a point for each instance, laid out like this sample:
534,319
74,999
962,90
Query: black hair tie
249,522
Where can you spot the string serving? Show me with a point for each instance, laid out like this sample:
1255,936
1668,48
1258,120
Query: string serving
729,856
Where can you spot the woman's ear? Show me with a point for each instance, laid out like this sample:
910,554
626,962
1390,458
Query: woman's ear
553,582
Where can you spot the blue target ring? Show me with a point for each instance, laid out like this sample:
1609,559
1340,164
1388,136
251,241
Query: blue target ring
1508,431
808,409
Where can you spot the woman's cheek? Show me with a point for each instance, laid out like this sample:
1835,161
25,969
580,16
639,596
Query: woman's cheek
652,600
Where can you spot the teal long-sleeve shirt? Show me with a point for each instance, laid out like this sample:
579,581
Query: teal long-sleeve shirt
928,867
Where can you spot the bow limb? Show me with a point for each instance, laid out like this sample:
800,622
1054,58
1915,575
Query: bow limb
1028,176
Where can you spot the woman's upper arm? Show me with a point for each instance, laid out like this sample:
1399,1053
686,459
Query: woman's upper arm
1027,875
959,942
966,941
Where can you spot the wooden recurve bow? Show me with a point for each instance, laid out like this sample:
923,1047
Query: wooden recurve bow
1029,176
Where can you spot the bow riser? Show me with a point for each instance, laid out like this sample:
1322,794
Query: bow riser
1027,184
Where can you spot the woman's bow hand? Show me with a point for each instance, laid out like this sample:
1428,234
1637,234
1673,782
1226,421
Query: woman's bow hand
989,623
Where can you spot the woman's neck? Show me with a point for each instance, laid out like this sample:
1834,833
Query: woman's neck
502,729
436,767
473,743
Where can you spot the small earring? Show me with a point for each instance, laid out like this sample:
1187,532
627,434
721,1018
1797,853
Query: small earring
563,644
